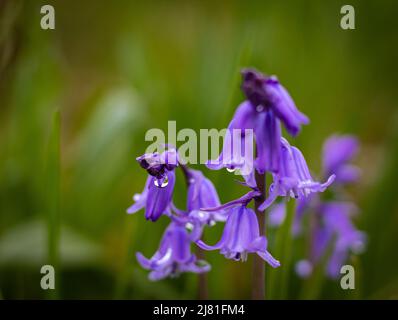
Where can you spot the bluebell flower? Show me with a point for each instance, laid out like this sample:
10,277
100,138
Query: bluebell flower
158,164
155,198
265,93
158,191
337,226
202,194
241,236
238,149
294,178
332,229
173,256
268,103
338,151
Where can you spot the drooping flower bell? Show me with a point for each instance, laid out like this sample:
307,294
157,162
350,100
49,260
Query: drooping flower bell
294,179
337,226
241,236
158,164
333,232
238,150
337,152
265,93
268,103
158,191
202,194
173,256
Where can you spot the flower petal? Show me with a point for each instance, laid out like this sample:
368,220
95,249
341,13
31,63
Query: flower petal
268,141
140,199
159,198
284,107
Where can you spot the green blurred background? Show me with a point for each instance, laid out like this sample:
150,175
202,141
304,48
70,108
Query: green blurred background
113,70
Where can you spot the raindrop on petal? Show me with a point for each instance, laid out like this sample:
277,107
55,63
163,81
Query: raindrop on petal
189,226
161,183
202,214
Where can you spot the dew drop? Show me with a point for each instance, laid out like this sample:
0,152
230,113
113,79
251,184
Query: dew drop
189,226
231,169
161,183
273,78
260,108
136,197
201,214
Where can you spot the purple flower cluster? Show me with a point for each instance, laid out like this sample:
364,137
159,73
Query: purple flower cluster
333,235
257,123
241,236
174,255
268,105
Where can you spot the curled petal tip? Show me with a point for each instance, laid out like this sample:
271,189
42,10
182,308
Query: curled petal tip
144,262
205,246
330,180
267,257
132,209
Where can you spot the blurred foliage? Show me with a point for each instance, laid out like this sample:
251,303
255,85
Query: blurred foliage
116,69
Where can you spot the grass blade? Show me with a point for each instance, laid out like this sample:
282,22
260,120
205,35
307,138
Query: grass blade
53,198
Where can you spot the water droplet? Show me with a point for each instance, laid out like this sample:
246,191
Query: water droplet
189,226
231,169
260,108
202,214
136,197
192,180
273,78
161,183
